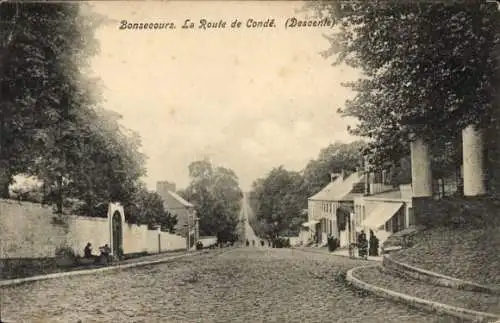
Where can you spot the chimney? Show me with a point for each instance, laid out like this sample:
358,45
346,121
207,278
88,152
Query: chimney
333,176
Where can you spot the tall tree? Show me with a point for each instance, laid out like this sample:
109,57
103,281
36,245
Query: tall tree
216,194
430,68
279,199
50,123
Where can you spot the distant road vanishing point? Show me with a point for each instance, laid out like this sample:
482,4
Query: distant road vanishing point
245,211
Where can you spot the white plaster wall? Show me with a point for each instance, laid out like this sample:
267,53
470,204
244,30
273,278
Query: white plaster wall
134,238
315,210
28,230
83,230
152,240
172,242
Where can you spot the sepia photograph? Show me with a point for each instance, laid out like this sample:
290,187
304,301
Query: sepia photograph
250,161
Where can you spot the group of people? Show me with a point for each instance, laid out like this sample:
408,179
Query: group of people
262,243
365,249
105,252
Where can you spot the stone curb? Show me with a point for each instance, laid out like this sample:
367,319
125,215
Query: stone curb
17,281
407,270
420,303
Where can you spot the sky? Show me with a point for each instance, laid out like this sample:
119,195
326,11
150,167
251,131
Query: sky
246,99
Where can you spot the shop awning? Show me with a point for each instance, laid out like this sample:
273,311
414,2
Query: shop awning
310,223
380,215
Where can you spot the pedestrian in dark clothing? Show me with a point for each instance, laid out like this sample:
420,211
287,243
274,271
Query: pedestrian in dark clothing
87,252
362,245
247,243
374,244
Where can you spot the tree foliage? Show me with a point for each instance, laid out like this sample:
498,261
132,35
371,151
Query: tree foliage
147,208
335,158
51,124
430,68
278,201
216,194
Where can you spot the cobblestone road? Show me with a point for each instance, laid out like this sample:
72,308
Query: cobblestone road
241,285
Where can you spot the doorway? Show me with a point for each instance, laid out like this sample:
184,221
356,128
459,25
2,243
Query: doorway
116,225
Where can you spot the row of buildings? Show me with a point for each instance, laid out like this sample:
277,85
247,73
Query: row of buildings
357,201
363,200
354,202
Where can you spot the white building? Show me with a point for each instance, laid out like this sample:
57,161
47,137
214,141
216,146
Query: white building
384,212
329,210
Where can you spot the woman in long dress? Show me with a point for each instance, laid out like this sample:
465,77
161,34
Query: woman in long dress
362,245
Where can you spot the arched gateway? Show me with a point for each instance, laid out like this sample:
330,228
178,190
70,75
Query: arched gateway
116,217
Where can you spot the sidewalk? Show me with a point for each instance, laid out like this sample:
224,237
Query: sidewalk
129,263
338,252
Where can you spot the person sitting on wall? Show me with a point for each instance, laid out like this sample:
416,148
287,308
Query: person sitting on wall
87,252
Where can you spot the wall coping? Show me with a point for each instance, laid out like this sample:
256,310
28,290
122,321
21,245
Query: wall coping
86,218
439,279
46,207
421,303
12,201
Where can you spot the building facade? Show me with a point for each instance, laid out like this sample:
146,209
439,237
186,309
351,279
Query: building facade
384,212
329,210
184,210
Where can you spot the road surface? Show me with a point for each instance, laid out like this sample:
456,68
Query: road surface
240,285
245,212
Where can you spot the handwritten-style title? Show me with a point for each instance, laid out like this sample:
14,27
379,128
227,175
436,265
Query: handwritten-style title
207,24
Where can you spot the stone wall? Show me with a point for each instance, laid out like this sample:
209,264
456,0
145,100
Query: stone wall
30,230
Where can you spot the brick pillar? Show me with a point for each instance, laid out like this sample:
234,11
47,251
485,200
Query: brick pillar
421,174
473,161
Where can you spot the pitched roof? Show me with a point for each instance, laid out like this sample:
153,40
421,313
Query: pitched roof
340,189
180,199
327,192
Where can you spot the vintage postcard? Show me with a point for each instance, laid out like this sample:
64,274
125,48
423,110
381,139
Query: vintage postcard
249,161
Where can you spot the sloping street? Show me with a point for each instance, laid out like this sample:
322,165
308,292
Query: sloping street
245,210
240,285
